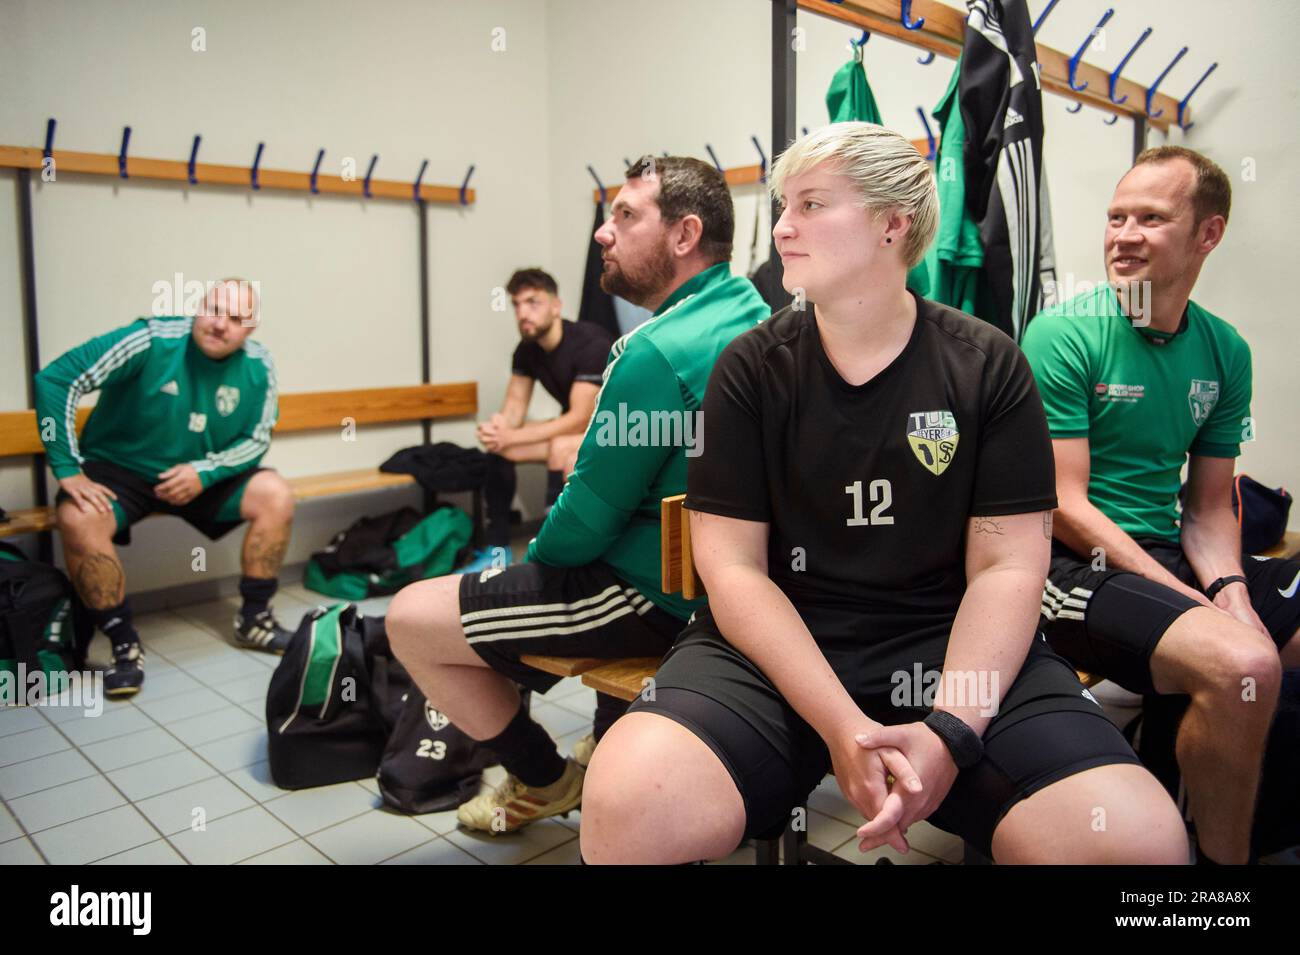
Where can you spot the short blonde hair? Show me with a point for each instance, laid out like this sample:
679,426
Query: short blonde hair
890,175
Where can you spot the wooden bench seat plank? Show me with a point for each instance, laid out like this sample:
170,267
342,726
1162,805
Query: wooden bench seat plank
299,411
31,520
311,410
622,678
562,666
345,482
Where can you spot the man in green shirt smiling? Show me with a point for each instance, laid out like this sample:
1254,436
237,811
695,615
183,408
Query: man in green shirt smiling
185,413
1137,381
591,586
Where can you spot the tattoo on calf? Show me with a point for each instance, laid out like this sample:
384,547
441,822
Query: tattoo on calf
1047,524
100,581
984,525
264,553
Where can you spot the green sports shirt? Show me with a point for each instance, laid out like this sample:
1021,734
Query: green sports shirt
162,402
1144,400
646,422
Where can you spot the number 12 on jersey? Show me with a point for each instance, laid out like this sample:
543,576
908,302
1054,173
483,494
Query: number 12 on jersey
881,492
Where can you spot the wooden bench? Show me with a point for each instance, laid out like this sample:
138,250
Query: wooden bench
300,412
626,679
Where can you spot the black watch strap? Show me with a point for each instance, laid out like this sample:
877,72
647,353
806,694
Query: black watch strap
1212,591
963,743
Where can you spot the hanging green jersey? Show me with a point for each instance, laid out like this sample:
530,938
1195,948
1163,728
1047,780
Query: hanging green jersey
849,96
162,402
1144,400
645,424
956,256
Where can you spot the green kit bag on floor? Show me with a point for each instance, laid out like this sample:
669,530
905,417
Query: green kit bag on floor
381,555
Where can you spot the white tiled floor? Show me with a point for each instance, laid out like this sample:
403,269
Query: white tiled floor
128,786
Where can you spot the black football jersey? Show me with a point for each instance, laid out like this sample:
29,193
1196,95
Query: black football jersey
580,356
868,489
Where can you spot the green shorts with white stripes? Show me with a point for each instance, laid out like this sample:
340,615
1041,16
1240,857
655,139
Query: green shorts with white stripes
550,611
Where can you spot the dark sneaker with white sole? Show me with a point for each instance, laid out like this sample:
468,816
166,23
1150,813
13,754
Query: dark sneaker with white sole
125,677
261,632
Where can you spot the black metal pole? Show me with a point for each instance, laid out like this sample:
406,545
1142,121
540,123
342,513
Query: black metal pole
426,424
1139,135
424,304
784,13
27,252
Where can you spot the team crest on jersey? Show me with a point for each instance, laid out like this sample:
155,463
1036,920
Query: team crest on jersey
435,719
1202,398
933,438
227,399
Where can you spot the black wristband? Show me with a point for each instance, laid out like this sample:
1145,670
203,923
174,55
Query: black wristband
963,743
1212,591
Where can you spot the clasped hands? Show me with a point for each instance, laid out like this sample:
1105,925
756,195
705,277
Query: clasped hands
865,755
495,434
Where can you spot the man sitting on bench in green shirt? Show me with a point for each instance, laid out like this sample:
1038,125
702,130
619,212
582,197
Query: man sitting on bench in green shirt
185,413
1138,381
590,587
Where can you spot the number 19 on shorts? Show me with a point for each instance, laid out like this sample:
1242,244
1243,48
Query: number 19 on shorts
881,494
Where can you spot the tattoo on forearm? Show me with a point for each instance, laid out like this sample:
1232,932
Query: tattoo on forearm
1047,524
985,526
100,581
264,551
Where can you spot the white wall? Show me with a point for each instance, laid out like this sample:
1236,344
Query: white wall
580,81
679,74
408,80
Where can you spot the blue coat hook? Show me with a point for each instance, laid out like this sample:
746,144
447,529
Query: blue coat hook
1114,77
416,188
315,171
929,134
121,156
50,125
1074,60
1043,16
762,159
714,157
1112,121
257,161
1182,105
927,59
1151,90
599,185
365,183
464,186
194,155
905,15
805,130
1075,108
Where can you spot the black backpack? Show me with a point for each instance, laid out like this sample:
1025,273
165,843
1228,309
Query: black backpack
42,624
329,703
429,765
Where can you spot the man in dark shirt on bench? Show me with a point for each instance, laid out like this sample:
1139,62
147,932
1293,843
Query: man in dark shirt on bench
568,359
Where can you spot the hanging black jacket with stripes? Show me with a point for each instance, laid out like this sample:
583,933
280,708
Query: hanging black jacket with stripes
1006,192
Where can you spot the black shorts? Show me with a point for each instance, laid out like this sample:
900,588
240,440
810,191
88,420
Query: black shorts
214,511
1048,727
538,609
1108,622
